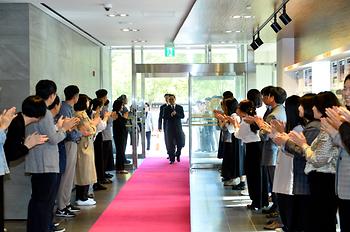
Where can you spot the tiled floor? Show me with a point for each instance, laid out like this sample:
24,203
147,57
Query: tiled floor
214,208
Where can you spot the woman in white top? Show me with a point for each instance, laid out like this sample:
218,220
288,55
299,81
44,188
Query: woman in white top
252,142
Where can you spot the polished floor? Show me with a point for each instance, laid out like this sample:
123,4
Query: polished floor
214,208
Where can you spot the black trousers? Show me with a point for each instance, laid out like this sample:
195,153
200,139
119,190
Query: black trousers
323,201
302,215
148,140
344,212
2,203
99,157
41,203
227,168
286,210
253,173
268,176
108,155
82,192
120,145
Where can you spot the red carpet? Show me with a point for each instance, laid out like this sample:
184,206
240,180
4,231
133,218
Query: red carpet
156,198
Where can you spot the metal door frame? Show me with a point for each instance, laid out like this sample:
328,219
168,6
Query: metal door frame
169,70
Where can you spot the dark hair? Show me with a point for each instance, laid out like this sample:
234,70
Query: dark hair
254,95
101,93
292,113
45,88
97,102
146,104
279,94
227,94
347,78
231,106
307,102
166,95
54,103
172,95
324,100
106,103
34,107
247,107
122,97
70,91
117,105
266,91
82,103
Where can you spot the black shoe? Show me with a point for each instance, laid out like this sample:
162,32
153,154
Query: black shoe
73,208
127,162
65,213
178,158
108,175
105,181
57,229
171,162
98,187
167,157
240,186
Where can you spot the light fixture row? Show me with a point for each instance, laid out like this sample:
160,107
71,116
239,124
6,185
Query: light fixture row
284,17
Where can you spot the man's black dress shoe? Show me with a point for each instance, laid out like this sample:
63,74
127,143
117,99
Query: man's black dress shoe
178,158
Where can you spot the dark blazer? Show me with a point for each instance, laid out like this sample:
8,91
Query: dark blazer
161,121
14,145
173,124
300,179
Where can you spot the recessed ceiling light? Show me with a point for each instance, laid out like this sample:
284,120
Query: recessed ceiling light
228,31
122,15
247,16
139,41
111,15
222,42
236,16
238,31
129,29
248,7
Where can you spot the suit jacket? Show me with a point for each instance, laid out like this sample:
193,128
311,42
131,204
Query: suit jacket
173,124
161,120
270,149
300,179
44,158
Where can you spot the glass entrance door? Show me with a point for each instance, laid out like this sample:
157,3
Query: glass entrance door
205,95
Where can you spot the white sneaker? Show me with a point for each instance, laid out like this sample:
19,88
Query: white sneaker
86,203
245,192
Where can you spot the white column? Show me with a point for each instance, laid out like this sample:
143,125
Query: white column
285,57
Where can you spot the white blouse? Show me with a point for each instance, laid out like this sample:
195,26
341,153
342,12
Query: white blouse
246,134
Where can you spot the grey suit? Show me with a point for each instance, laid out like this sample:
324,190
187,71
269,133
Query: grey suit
270,149
44,158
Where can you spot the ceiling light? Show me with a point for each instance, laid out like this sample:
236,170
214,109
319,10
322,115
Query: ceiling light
256,42
129,29
122,15
275,26
228,31
284,17
248,7
238,31
254,45
247,16
236,16
139,41
111,15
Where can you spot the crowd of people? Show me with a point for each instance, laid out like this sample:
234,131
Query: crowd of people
297,153
65,145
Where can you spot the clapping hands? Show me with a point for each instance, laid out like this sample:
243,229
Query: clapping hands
6,117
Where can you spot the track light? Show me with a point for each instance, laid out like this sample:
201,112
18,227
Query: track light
256,42
284,17
275,26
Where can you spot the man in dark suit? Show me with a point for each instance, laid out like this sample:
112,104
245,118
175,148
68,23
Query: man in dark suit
161,120
173,114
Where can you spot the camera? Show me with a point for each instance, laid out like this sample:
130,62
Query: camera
107,6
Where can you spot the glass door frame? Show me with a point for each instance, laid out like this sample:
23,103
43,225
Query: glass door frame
149,70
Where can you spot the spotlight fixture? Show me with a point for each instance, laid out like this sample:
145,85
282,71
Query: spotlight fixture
258,41
254,45
284,17
275,26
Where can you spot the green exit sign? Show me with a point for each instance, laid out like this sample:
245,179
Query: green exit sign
169,50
